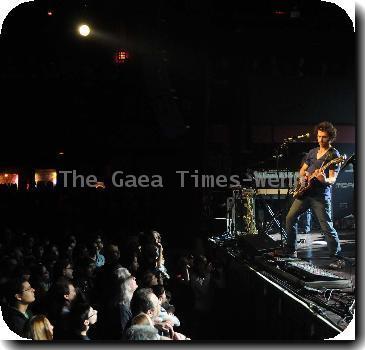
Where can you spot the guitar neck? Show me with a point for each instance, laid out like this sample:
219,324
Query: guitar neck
324,167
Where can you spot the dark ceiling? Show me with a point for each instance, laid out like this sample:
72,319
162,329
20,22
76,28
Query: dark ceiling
64,92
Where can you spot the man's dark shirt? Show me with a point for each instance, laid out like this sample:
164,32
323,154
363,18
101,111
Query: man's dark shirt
16,321
319,189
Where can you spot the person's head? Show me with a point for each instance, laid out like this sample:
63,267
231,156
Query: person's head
17,253
80,252
82,316
168,296
153,237
326,133
53,249
123,287
149,279
134,264
159,291
170,309
63,268
122,272
20,292
200,264
23,271
40,273
111,253
144,300
98,243
28,241
71,241
149,256
142,332
38,251
64,291
40,328
86,267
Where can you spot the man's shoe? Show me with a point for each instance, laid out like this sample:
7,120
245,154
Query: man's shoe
337,265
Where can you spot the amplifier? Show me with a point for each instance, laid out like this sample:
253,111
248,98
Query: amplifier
257,244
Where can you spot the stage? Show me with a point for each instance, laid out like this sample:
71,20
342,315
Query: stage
312,247
290,299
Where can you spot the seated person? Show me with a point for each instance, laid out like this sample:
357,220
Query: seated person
145,301
159,291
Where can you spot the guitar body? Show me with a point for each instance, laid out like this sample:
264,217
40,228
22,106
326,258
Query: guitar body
301,189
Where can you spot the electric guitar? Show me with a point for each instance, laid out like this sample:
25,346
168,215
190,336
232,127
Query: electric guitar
301,188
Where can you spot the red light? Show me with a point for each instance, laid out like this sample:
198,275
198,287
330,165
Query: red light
280,13
50,13
121,57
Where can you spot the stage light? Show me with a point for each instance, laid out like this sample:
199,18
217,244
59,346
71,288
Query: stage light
54,178
100,185
121,57
45,175
84,30
8,178
280,13
50,13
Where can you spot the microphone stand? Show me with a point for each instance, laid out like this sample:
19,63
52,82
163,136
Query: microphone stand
279,153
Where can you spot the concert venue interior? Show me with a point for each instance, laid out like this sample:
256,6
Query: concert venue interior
191,118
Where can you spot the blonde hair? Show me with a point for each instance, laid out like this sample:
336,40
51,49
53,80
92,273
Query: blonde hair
39,328
141,319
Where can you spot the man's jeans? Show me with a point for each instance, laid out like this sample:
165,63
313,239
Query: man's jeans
321,208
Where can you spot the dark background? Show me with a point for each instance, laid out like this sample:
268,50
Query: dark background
214,86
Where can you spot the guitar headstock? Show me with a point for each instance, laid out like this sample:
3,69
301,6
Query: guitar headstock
338,160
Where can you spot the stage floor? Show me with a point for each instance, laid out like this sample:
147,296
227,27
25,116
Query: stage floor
313,248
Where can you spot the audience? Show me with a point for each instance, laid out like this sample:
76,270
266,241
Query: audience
74,278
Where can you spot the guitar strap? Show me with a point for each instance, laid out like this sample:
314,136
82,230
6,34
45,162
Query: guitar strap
328,153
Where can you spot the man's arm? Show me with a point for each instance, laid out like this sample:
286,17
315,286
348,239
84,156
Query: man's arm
303,169
332,176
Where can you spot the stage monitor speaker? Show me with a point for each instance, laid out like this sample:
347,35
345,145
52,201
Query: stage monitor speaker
257,244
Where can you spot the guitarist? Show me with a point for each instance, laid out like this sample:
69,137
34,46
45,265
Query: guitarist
318,195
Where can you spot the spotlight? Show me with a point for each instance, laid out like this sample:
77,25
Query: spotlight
84,30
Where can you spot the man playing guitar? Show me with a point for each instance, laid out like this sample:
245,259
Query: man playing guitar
318,195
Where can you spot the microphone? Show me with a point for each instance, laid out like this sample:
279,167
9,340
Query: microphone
299,137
